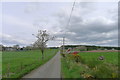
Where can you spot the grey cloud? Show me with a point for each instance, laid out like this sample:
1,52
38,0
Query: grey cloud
96,30
9,40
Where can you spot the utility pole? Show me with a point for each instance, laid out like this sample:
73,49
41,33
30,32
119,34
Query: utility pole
63,45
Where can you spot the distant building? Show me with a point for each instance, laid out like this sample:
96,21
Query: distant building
113,48
81,48
105,49
1,46
9,49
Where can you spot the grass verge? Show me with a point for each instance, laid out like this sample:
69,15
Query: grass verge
89,66
18,63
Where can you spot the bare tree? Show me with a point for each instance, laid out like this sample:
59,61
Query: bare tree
42,38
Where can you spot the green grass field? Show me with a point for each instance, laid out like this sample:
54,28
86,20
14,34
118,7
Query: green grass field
89,66
18,63
110,57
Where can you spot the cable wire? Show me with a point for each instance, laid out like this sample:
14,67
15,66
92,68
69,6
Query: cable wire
72,9
68,26
71,13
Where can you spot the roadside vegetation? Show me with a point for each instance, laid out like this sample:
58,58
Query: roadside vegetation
16,64
90,65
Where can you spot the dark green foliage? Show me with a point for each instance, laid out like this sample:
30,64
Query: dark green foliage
63,55
92,47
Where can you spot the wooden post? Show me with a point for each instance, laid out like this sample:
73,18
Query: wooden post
8,70
21,66
63,44
39,59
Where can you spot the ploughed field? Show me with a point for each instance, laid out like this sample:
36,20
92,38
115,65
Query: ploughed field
18,63
90,65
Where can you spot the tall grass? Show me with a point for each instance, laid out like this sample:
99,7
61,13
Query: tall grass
90,66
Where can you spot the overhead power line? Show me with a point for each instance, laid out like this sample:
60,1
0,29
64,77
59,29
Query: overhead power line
68,25
71,13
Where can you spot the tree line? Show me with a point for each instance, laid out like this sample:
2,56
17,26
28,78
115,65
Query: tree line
91,47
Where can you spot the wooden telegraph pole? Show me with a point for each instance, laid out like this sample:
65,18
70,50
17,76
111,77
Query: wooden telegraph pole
63,45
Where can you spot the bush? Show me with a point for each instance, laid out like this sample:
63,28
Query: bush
63,55
77,58
104,71
74,58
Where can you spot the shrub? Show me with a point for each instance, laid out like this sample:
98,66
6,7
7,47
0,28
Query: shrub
77,58
63,55
103,71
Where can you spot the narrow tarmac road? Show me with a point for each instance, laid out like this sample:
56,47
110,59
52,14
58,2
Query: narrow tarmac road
51,69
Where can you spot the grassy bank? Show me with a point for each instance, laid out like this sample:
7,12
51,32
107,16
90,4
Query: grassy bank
18,63
89,66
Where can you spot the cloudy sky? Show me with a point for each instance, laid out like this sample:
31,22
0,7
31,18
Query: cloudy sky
92,23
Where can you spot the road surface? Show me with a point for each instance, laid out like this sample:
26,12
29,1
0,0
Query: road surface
51,69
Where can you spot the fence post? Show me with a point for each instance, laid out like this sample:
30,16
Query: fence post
38,59
21,66
8,70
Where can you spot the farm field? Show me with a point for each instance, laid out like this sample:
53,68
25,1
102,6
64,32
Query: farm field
18,63
89,66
